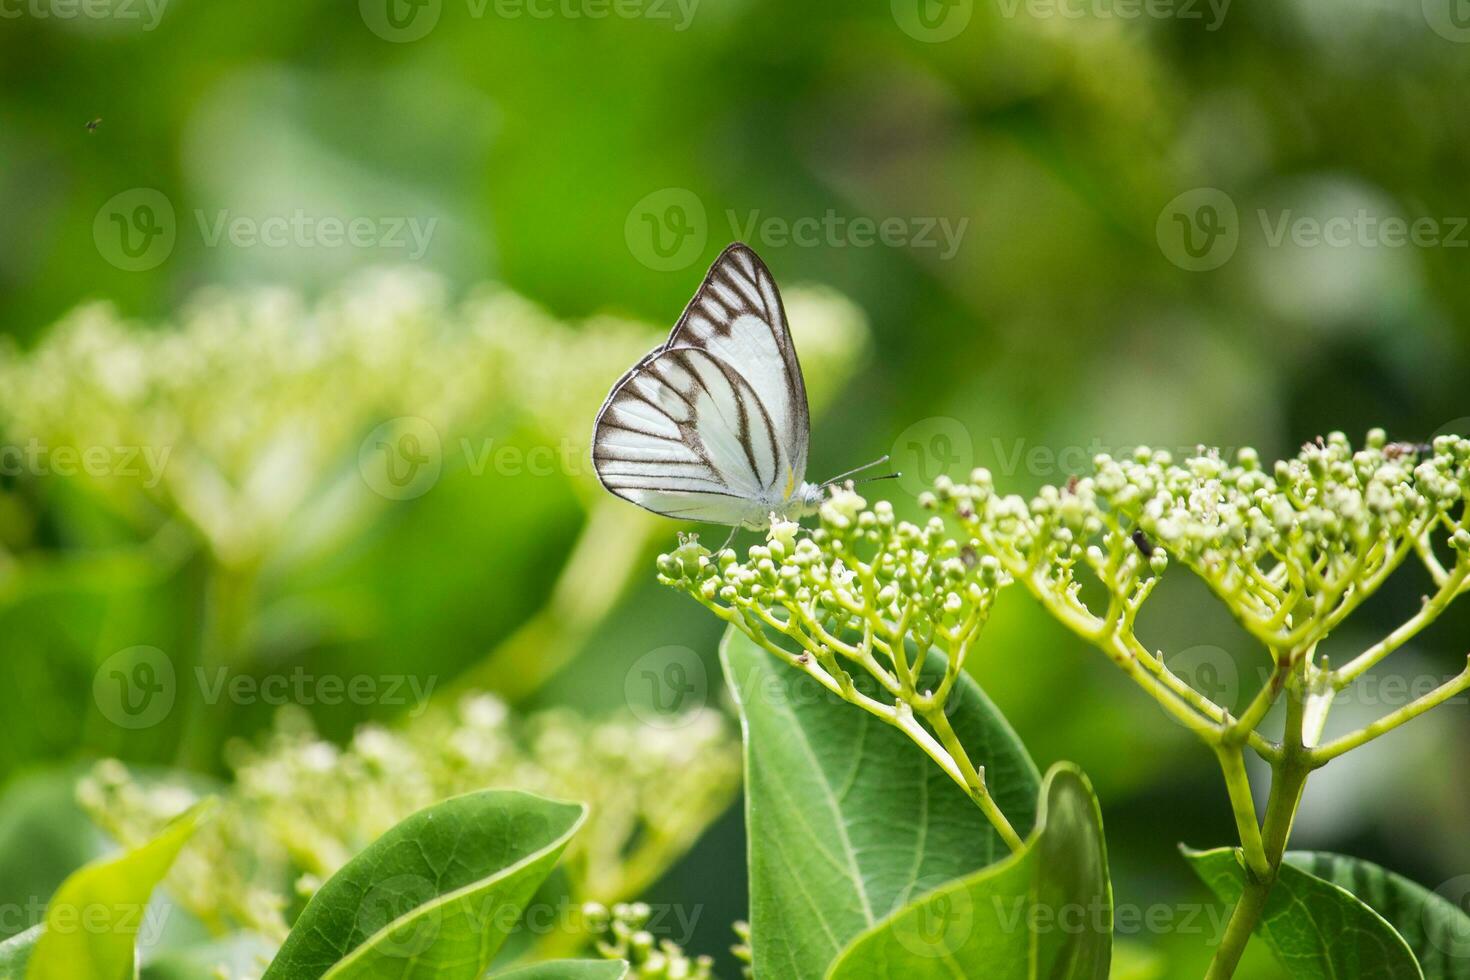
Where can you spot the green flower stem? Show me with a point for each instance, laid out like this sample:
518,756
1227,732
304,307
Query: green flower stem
1288,782
1256,711
974,779
1232,764
1193,711
1453,585
1291,550
947,751
1324,754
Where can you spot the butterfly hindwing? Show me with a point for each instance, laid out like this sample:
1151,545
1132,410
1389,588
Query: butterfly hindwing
713,425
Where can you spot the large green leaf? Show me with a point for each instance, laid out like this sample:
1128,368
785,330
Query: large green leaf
93,919
1317,930
1435,928
847,819
1046,912
568,970
433,897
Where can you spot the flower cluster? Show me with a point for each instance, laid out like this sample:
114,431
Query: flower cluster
854,589
1291,550
301,806
621,934
247,407
863,590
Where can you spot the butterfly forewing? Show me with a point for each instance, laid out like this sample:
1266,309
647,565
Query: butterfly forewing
737,315
712,426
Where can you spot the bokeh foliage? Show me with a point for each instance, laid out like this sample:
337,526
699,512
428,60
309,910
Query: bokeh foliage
1060,326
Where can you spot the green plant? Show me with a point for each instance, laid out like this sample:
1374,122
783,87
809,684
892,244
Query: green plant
437,895
882,614
300,807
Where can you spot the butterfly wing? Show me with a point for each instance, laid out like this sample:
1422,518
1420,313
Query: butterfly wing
737,316
713,426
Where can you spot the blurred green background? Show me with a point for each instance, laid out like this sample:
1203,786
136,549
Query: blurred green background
1130,204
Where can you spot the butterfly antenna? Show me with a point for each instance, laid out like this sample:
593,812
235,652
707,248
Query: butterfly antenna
866,466
875,479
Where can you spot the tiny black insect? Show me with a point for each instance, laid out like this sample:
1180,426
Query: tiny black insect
1142,543
93,124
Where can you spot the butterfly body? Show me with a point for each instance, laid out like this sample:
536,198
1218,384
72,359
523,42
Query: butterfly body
713,425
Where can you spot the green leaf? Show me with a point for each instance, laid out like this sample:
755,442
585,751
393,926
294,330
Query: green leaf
1315,928
15,953
847,819
1435,928
1044,912
93,919
436,895
568,970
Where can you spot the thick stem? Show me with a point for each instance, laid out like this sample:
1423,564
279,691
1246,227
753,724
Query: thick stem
1238,931
228,617
1286,795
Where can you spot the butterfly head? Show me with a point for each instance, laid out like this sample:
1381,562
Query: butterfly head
807,500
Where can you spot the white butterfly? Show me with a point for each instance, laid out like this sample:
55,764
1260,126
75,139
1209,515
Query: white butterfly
713,425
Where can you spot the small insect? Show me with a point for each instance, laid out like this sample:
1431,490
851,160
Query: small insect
1142,543
713,424
93,124
1398,450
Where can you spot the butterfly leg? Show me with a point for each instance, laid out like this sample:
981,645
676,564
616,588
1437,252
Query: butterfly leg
733,531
